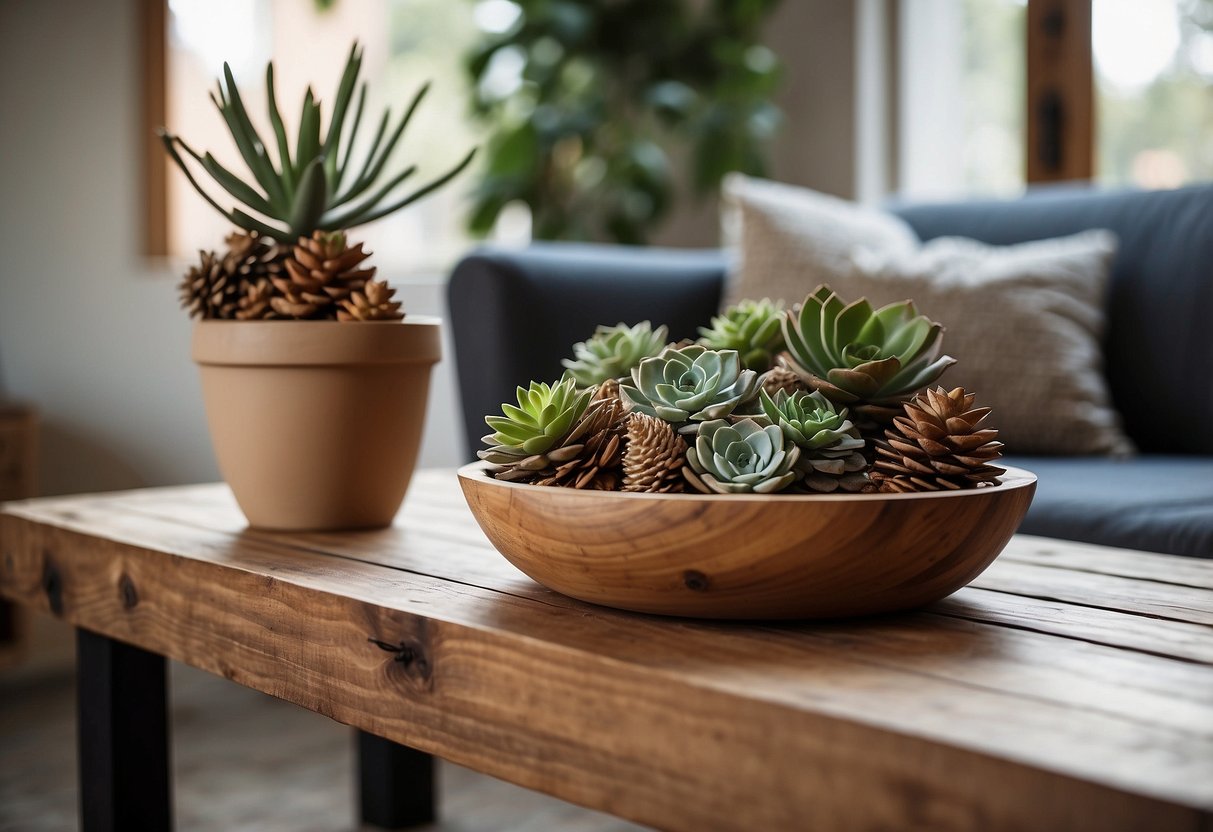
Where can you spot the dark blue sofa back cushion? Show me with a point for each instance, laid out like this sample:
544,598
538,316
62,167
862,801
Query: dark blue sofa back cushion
1159,340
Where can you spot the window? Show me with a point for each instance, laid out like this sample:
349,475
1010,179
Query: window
1154,91
406,42
962,94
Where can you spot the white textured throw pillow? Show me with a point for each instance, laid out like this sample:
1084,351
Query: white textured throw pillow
789,237
1024,321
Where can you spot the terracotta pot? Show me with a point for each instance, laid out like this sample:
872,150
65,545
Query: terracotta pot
316,424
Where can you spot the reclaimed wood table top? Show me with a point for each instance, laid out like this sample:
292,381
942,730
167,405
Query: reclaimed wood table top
1070,687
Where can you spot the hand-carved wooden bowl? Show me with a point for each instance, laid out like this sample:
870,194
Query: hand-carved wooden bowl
749,556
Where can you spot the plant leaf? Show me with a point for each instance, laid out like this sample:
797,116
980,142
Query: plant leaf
415,195
345,89
349,144
250,144
309,199
307,147
284,149
370,176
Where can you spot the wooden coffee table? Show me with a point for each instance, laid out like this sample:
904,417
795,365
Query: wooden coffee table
1071,687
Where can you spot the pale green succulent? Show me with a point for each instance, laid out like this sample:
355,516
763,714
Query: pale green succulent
688,385
831,446
854,355
322,187
543,416
739,458
612,352
752,327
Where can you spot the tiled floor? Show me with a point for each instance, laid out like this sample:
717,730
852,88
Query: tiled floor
242,761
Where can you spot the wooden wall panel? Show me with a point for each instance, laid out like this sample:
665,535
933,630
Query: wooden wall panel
153,22
1061,91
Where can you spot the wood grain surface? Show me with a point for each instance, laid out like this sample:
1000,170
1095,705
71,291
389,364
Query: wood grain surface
1070,687
750,556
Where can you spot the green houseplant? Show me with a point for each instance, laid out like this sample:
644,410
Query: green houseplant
613,98
315,381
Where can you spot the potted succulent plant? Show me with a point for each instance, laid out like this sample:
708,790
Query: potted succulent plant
315,381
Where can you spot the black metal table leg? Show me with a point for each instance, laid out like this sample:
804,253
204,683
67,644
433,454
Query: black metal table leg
396,784
122,727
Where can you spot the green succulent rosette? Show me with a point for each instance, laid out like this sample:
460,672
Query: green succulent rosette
865,358
753,328
742,457
543,416
689,385
831,446
612,351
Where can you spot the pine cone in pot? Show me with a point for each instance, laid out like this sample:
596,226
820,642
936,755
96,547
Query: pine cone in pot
373,303
321,271
939,444
210,288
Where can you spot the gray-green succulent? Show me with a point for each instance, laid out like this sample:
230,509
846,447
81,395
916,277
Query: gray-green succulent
854,355
689,385
322,187
741,457
544,415
612,352
831,446
753,328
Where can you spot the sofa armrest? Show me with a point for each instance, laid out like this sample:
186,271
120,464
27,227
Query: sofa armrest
515,313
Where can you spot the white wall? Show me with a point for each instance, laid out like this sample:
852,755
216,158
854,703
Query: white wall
90,331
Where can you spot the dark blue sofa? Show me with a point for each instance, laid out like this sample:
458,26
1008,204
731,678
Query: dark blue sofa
515,313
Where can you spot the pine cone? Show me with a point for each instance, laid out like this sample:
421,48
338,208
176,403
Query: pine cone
255,303
938,445
210,289
779,378
609,389
588,457
654,457
320,271
374,303
592,452
252,257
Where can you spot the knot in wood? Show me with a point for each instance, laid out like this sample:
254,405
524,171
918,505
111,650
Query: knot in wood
127,592
695,580
52,584
409,654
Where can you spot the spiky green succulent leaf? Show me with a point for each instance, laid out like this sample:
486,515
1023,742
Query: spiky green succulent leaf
811,420
744,457
544,415
612,351
853,353
688,385
287,201
753,328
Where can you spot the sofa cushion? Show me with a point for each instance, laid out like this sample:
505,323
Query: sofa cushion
1150,502
1025,323
1158,350
790,239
